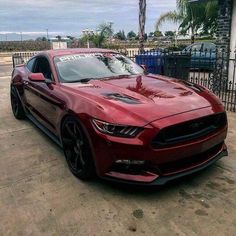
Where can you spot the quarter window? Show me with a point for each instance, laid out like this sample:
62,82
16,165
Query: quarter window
209,47
30,64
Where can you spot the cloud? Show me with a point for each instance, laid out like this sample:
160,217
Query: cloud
71,16
29,32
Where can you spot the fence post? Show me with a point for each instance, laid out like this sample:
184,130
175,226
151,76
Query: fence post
13,61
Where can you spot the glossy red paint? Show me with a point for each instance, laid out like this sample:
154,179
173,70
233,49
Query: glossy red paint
159,102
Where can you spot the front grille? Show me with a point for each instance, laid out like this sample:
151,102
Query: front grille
189,130
189,162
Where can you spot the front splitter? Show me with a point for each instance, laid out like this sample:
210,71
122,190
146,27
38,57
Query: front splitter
162,180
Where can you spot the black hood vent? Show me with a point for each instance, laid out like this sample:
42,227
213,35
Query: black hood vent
121,97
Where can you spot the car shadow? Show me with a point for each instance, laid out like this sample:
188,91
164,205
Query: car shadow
193,181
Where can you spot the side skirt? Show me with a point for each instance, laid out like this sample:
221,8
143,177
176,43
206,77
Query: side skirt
44,129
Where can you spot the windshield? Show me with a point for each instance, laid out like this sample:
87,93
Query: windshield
73,68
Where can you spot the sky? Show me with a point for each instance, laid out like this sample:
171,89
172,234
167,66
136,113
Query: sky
70,17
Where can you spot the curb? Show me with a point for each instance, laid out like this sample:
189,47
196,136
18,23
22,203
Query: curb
6,64
5,77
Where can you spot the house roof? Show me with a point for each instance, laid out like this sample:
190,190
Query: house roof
196,1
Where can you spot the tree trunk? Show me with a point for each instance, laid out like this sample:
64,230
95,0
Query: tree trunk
192,36
192,39
142,19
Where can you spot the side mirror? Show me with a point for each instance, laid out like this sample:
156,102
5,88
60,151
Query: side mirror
144,68
37,77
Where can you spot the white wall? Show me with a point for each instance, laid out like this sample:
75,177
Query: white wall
59,45
233,44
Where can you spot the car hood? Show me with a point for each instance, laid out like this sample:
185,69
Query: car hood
146,97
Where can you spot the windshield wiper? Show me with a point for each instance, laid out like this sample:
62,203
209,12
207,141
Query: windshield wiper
85,80
119,76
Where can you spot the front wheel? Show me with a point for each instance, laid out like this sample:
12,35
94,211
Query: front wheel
77,149
16,105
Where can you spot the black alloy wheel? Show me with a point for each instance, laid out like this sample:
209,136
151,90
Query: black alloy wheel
17,108
77,149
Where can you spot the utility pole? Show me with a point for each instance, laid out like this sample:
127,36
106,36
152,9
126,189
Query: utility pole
21,37
110,25
142,20
47,34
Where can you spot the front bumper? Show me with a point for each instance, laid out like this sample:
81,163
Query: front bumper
154,179
161,164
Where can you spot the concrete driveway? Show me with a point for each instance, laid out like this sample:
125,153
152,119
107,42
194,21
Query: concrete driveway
39,196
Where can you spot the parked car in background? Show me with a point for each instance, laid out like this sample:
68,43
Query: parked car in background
113,119
203,55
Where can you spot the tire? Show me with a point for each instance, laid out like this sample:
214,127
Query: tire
77,149
16,105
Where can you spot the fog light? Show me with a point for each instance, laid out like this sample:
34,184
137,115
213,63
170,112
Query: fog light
130,162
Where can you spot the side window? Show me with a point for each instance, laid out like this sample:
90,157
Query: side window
196,47
42,66
209,47
30,64
187,49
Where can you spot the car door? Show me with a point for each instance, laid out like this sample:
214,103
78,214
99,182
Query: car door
41,96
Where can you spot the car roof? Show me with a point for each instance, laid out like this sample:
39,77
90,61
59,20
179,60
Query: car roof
61,52
209,43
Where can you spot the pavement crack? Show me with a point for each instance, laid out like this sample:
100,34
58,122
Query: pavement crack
15,131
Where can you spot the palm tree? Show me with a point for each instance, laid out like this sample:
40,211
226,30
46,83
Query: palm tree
192,17
98,40
104,31
210,22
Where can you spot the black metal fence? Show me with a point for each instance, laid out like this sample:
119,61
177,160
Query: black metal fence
177,64
213,69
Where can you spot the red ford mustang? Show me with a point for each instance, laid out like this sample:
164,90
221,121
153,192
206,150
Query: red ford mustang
113,119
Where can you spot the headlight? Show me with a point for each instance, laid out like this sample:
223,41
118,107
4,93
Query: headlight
116,130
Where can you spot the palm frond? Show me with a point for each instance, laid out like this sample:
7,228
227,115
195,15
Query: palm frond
105,29
182,6
195,17
211,9
169,16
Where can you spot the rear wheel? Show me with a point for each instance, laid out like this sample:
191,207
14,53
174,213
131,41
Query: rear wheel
77,149
17,108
